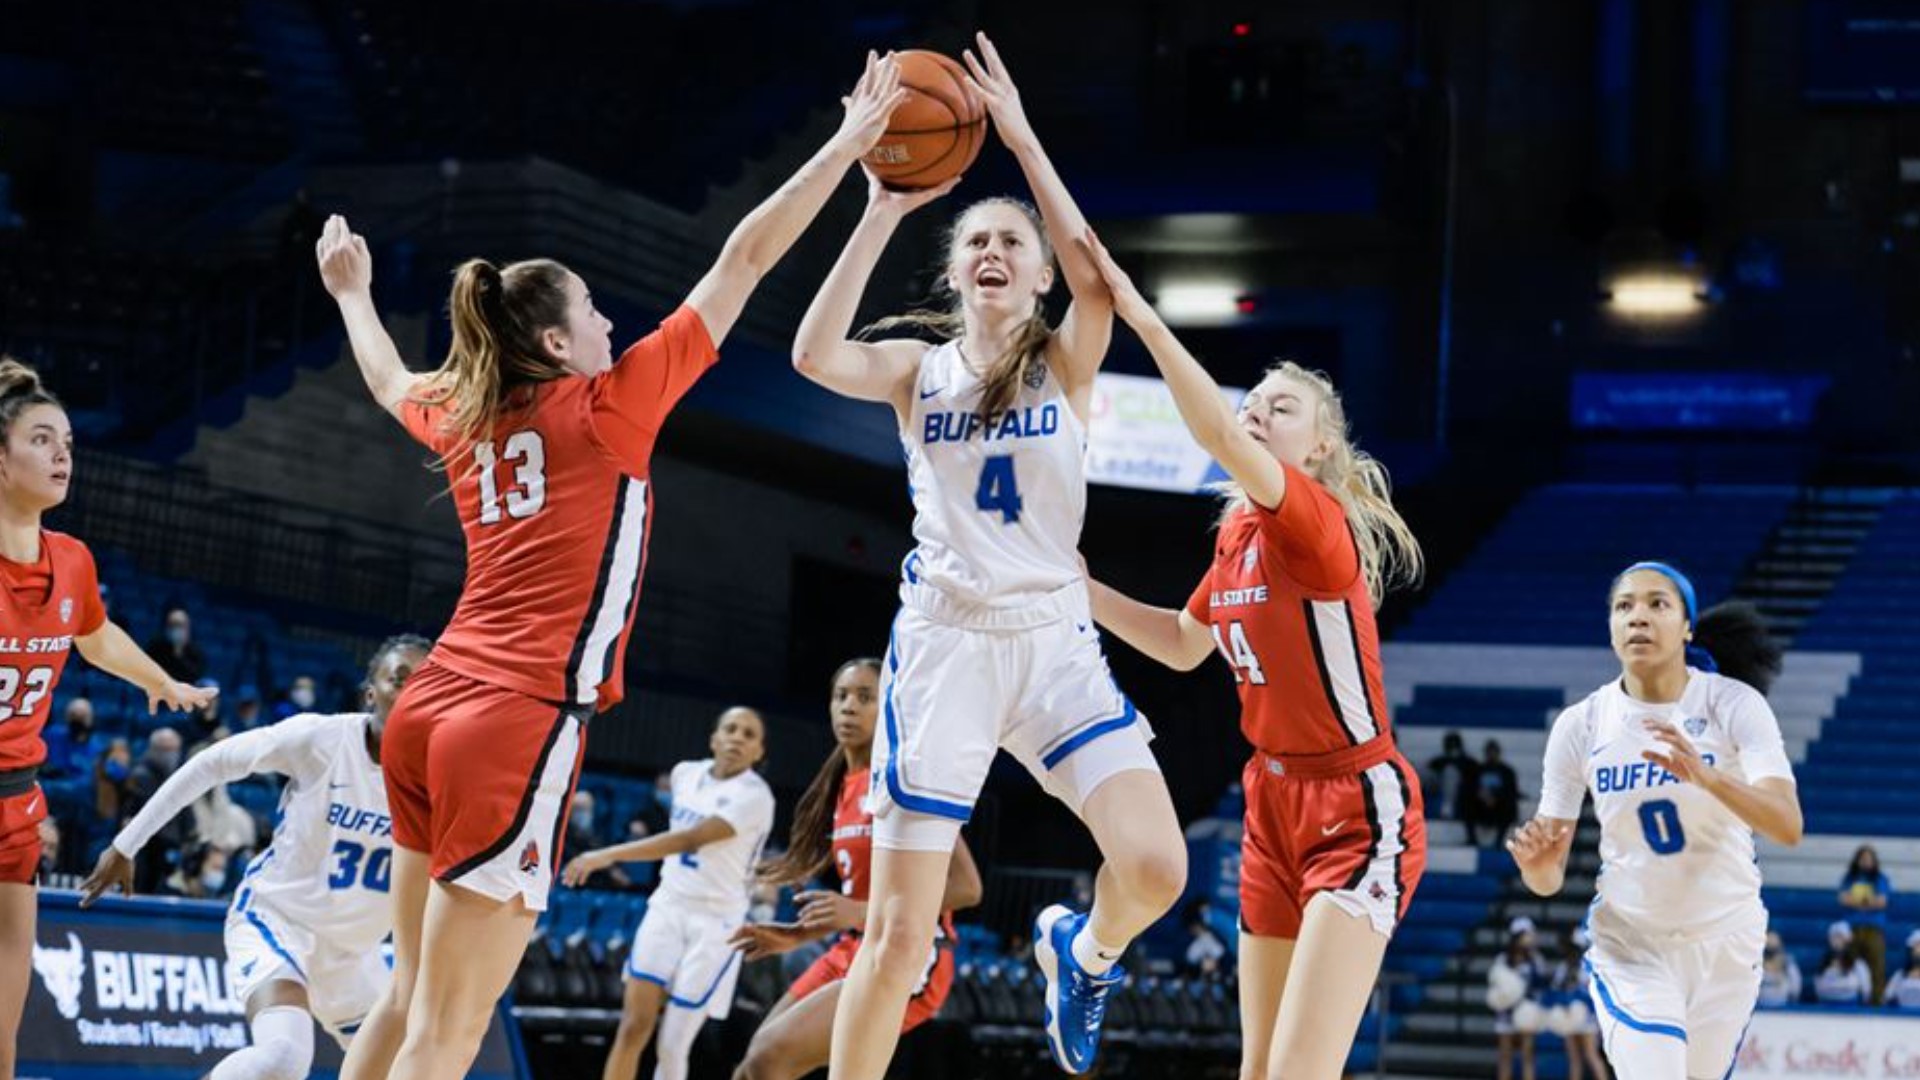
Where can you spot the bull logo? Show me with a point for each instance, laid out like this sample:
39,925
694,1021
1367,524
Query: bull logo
61,972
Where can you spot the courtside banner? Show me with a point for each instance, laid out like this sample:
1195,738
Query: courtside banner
1136,438
142,985
1812,1044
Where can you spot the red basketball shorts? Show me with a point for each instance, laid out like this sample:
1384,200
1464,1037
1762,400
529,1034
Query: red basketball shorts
928,996
1359,835
479,778
20,818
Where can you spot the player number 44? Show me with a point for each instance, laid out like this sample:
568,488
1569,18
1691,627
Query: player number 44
1234,646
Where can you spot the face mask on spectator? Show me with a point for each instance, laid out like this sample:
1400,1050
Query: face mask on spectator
116,770
165,760
176,636
301,697
211,880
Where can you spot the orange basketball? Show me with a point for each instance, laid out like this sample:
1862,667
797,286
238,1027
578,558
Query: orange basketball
936,132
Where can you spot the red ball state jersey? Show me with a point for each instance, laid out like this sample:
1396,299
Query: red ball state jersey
43,607
556,508
853,843
1289,610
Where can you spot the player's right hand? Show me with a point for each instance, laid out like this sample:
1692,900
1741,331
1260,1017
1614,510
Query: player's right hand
346,268
583,866
1538,841
113,870
1132,307
757,940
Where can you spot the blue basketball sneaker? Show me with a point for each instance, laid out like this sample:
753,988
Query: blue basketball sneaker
1076,1001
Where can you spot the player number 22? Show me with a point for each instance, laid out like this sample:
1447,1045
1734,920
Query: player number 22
1239,654
529,492
34,683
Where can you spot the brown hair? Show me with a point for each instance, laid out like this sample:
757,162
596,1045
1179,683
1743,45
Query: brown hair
498,315
810,837
1010,369
1389,552
20,390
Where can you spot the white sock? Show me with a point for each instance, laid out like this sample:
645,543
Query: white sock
1094,957
673,1041
282,1048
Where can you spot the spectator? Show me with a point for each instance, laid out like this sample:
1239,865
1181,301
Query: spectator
49,830
1452,774
1496,797
1206,953
1843,977
1779,975
659,815
1570,999
202,874
1865,892
72,746
111,770
581,837
246,708
153,768
219,821
174,648
302,693
1903,990
1514,987
201,723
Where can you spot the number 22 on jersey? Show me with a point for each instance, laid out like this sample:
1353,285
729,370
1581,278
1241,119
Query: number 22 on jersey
526,452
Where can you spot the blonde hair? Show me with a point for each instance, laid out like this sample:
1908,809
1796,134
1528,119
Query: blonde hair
498,314
1389,553
1010,369
20,390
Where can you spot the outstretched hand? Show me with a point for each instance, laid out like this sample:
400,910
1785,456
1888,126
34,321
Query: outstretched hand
1535,844
871,103
899,203
113,871
345,266
1132,307
987,74
177,695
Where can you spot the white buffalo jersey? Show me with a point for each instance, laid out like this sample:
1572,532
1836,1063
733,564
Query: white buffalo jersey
997,506
1675,862
719,876
331,858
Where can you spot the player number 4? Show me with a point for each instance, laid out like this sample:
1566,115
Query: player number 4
1239,654
998,491
528,453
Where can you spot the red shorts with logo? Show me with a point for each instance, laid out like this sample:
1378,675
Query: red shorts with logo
480,778
924,1005
1351,825
20,818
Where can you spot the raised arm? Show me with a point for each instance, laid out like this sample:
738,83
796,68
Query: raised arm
765,234
1170,636
822,349
347,271
1088,327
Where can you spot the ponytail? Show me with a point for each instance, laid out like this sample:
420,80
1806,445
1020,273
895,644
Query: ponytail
20,390
497,317
810,837
1735,635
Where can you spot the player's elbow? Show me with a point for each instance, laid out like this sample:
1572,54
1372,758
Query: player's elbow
804,361
1789,832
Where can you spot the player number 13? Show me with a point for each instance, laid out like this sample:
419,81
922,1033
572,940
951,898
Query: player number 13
528,454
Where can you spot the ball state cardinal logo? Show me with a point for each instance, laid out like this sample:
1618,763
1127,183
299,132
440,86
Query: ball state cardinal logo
1378,892
530,858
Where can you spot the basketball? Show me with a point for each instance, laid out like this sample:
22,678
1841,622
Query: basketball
936,132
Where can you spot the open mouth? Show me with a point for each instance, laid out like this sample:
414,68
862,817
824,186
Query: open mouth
990,278
1639,639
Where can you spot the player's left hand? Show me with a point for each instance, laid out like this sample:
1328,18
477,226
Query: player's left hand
583,866
824,910
871,104
113,871
995,86
757,940
175,694
1681,759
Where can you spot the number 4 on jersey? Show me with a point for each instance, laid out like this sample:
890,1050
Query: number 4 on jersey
1246,666
998,491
